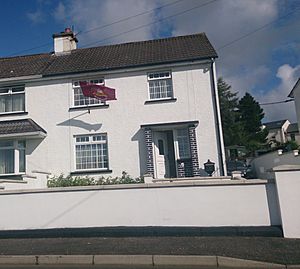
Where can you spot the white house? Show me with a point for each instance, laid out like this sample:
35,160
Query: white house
277,131
165,121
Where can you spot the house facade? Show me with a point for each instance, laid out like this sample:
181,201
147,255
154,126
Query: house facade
165,121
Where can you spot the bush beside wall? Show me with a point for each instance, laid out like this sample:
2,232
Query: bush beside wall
67,181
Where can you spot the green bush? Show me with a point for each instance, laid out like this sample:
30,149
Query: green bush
62,181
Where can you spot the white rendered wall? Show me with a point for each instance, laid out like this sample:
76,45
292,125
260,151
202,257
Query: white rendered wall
263,164
288,188
48,104
213,204
296,94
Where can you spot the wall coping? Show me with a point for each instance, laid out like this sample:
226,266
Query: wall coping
285,168
190,183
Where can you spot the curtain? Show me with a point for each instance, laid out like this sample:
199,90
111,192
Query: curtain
6,161
18,102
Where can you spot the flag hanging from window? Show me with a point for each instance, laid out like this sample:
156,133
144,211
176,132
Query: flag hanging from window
100,92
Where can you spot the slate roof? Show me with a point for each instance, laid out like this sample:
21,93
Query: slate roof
291,94
293,128
20,126
127,55
24,65
274,124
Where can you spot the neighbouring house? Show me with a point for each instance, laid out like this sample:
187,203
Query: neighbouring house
165,121
295,94
293,133
277,131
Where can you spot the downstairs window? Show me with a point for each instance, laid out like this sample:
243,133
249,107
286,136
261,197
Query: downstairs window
12,157
91,152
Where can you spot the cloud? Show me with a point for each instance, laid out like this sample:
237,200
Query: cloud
288,76
90,14
60,12
36,17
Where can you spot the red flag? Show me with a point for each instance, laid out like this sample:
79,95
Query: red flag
100,92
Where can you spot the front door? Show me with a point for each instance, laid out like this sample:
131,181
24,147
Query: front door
161,155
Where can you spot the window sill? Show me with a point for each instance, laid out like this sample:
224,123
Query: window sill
74,108
12,176
13,114
170,100
83,172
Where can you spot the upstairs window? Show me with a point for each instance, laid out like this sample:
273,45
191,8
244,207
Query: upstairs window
12,157
80,99
12,99
91,152
160,85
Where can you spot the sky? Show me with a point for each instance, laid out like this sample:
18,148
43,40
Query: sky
257,41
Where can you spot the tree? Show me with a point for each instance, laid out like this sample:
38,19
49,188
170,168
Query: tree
233,131
251,115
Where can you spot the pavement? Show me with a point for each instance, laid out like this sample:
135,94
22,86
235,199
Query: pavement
152,251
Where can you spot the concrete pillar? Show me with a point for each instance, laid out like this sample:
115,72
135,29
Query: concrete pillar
287,179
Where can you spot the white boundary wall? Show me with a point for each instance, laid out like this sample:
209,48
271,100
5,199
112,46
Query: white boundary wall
263,164
204,203
288,188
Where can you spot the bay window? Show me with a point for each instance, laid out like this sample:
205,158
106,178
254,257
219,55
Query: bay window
12,157
12,99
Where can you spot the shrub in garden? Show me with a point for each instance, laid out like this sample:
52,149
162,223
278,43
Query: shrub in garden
67,181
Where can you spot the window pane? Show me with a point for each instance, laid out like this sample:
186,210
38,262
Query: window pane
81,100
4,90
160,89
18,103
183,143
22,160
7,161
18,89
6,143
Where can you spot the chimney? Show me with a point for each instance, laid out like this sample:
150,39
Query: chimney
64,42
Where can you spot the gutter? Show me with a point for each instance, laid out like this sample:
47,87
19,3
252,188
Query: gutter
217,113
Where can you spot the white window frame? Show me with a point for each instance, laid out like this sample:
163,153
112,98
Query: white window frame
178,135
10,92
15,146
159,76
90,141
94,101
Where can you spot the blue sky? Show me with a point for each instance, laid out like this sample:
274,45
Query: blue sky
265,61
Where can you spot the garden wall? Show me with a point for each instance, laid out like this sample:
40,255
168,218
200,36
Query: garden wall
201,203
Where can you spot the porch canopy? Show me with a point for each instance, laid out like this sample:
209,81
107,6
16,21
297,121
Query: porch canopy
170,125
24,128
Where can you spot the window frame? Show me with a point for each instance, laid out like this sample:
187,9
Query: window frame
10,92
90,142
90,80
188,147
16,149
169,77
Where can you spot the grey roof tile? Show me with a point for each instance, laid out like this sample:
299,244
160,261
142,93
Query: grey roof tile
127,55
275,124
293,128
19,126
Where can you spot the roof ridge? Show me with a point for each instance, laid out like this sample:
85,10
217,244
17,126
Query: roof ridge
147,41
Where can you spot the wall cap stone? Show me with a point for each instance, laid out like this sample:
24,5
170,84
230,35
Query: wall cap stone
285,168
